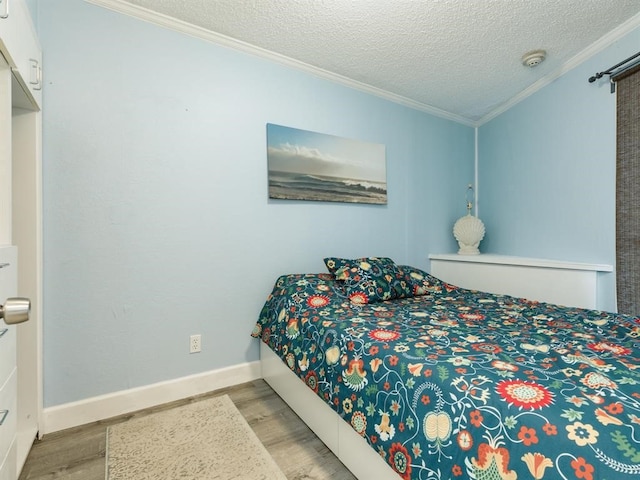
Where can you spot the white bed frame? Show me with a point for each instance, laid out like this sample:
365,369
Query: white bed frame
350,448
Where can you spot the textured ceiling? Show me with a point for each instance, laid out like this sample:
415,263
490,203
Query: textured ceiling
459,56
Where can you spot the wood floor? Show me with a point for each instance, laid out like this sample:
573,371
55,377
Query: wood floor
79,453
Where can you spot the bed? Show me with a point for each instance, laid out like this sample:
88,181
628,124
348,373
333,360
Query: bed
401,374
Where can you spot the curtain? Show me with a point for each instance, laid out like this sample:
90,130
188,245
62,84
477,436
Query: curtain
628,191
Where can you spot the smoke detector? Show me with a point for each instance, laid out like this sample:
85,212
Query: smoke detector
533,58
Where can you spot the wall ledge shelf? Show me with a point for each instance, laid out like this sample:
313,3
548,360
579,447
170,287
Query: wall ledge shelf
565,283
523,261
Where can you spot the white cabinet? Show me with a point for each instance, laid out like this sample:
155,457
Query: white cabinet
8,370
20,225
564,283
20,47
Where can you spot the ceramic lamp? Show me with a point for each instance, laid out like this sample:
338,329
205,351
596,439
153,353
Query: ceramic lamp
468,231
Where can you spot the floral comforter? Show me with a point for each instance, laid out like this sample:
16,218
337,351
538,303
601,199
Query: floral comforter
459,384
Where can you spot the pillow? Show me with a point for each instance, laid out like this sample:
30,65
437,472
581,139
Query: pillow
335,263
369,279
363,279
399,280
420,282
307,286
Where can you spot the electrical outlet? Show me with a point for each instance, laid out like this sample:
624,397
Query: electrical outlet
195,343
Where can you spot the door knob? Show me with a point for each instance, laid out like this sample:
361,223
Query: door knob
15,310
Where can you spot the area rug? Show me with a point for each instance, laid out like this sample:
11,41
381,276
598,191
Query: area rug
207,439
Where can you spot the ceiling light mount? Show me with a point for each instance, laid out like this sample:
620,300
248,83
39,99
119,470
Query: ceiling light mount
533,58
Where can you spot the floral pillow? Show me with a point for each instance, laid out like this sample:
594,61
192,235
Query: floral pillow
308,287
422,283
369,279
400,281
363,279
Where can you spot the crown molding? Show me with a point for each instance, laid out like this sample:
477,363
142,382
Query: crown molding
171,23
605,41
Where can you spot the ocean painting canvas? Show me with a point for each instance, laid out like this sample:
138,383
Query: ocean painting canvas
305,165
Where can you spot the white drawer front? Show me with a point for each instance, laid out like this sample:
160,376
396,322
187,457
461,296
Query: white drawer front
7,350
8,288
8,273
8,413
9,469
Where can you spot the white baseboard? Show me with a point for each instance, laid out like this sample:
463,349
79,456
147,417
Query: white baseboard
110,405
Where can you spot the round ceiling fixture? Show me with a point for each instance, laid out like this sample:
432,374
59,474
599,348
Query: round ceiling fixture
533,58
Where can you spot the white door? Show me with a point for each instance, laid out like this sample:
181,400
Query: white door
27,236
19,227
21,213
8,280
8,371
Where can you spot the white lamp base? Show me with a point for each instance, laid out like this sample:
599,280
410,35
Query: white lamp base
469,250
469,231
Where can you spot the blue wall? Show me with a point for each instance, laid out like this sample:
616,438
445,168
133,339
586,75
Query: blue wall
157,223
156,218
547,171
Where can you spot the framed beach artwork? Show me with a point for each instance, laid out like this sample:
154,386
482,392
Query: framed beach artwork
306,165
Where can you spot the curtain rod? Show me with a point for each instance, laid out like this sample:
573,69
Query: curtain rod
610,70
